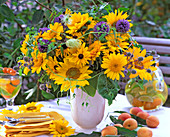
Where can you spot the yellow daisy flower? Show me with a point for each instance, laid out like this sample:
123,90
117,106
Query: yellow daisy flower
112,18
142,73
60,128
26,69
54,32
6,111
39,61
30,107
81,57
95,49
70,75
24,45
114,42
114,66
52,66
78,20
140,66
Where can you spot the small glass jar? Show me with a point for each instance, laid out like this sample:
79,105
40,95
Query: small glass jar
154,93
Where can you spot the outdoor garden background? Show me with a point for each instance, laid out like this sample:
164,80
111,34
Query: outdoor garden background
17,17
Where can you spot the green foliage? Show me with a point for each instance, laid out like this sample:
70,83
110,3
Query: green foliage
94,134
150,18
107,88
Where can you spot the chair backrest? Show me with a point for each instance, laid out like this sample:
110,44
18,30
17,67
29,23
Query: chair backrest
162,46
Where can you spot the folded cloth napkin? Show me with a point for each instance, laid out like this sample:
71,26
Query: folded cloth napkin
30,124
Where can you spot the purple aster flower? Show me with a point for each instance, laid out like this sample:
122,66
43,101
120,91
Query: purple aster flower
122,26
43,29
59,18
101,27
43,48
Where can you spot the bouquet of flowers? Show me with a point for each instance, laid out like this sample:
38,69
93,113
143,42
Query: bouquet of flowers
90,51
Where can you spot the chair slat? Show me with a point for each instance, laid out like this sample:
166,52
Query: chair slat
167,80
164,60
159,49
153,41
165,70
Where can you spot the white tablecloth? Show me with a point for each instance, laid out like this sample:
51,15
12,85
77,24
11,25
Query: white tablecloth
121,103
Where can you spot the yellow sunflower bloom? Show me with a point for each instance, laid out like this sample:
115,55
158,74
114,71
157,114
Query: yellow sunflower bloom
95,49
39,61
81,57
60,128
54,32
24,45
30,107
52,66
70,75
142,73
6,111
78,20
26,69
114,42
112,18
114,66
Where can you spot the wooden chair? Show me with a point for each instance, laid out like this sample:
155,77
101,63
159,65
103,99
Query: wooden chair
162,46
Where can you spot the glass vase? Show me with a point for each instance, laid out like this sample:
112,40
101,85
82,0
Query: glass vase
153,95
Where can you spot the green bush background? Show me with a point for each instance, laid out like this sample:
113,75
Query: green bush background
149,17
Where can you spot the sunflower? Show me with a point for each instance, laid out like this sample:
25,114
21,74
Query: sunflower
39,61
78,20
24,45
52,65
112,18
114,66
115,42
6,111
95,49
70,75
54,32
60,128
30,107
81,57
142,73
26,68
140,63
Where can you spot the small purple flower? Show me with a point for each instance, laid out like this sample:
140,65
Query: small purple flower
101,27
43,29
43,48
122,26
59,18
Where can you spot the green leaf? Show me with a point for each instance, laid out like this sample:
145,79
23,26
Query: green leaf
138,119
47,95
30,92
20,72
16,90
2,1
37,16
6,12
92,87
2,91
94,134
102,36
116,121
107,88
126,132
7,55
90,90
114,136
123,9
